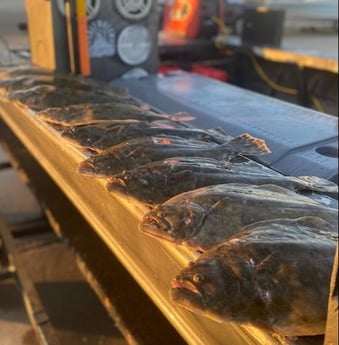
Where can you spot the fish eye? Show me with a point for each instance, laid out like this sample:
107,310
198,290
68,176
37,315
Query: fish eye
198,278
162,214
144,182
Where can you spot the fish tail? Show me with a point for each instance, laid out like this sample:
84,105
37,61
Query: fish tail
247,144
319,184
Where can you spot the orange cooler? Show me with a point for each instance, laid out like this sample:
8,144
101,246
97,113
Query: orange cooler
182,18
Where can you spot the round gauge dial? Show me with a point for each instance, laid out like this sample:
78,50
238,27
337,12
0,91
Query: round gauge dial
134,44
134,9
92,8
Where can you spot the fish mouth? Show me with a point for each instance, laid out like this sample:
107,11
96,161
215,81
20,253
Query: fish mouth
184,284
156,227
116,184
186,294
86,168
68,134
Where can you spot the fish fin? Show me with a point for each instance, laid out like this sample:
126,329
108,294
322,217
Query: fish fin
247,144
277,189
220,134
282,190
221,131
179,116
144,106
319,184
120,91
315,221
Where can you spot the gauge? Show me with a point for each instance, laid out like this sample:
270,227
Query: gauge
92,7
101,39
134,44
134,9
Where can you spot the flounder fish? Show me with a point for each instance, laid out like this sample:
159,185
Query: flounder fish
274,275
140,151
18,83
28,76
89,114
207,216
40,97
101,137
61,81
156,182
20,70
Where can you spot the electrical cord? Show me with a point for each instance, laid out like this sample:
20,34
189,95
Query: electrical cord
224,32
317,104
262,74
291,91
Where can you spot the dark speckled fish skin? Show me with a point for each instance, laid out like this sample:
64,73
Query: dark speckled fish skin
99,138
23,70
274,275
207,216
89,114
141,151
90,136
40,97
156,182
9,85
27,76
23,82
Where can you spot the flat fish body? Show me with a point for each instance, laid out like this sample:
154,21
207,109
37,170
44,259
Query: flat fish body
274,275
141,151
207,216
23,70
156,182
18,83
28,76
40,97
99,138
89,114
23,82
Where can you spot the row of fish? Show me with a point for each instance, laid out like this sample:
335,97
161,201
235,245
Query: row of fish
267,251
267,258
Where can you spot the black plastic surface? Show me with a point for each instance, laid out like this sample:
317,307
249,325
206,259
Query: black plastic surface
263,27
